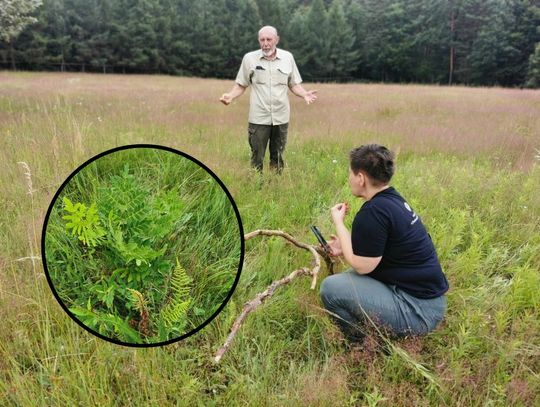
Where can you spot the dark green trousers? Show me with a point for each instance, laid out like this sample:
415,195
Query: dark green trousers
260,135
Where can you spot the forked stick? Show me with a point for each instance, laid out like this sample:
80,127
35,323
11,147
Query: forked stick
261,297
317,259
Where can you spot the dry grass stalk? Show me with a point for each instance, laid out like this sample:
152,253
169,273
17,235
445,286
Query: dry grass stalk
32,258
78,136
263,296
30,191
28,176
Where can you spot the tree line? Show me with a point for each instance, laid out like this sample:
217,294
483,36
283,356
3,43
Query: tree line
473,42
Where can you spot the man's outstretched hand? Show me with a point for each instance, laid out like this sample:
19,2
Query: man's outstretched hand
226,99
310,96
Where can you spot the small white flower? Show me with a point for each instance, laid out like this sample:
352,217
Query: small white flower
334,161
99,119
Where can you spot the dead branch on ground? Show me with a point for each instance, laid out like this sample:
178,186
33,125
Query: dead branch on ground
250,306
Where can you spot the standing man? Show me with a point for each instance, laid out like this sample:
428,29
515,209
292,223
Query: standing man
271,72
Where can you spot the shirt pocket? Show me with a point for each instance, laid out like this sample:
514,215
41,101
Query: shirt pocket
259,76
281,76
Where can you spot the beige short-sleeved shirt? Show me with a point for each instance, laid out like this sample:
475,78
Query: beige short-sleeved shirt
270,82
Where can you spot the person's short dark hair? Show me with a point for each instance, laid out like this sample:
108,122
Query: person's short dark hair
375,160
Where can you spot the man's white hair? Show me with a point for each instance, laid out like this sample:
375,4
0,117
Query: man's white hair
268,27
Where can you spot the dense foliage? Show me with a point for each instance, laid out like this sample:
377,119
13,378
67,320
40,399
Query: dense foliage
116,262
431,41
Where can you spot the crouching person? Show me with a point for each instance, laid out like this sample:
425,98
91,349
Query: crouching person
395,277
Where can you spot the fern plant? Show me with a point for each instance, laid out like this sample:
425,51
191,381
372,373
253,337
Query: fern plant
141,304
130,219
174,313
83,222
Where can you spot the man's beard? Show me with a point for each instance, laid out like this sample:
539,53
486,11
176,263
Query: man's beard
269,53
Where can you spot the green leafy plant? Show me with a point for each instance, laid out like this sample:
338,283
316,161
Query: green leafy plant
175,312
141,305
83,222
120,234
129,229
107,324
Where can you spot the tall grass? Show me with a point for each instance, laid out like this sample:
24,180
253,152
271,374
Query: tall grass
467,165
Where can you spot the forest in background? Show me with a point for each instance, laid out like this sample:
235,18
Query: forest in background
471,42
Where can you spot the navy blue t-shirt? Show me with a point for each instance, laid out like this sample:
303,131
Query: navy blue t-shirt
387,226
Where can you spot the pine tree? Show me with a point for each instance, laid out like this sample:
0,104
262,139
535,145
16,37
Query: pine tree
205,37
524,35
467,19
342,57
533,72
356,16
240,33
302,50
427,34
492,50
385,43
316,40
87,23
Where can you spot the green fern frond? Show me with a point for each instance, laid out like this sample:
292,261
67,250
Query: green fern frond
138,300
175,312
180,281
83,222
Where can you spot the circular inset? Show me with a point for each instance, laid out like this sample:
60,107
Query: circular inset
142,245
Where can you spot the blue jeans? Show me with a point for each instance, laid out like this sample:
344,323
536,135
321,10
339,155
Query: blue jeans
350,296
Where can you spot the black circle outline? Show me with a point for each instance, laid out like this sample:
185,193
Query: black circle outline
240,227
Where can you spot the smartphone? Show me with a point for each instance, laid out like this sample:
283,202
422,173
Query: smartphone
321,239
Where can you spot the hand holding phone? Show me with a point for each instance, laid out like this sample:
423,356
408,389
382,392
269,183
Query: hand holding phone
321,239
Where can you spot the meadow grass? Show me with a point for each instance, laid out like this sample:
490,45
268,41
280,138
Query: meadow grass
466,164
